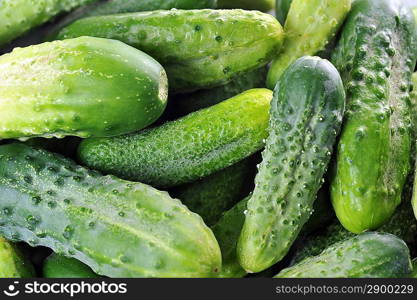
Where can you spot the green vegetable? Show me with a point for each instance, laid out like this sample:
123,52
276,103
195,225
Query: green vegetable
402,224
227,231
18,16
282,8
309,26
375,55
13,264
198,48
82,87
183,104
211,196
186,149
414,274
306,115
262,5
116,227
368,255
57,266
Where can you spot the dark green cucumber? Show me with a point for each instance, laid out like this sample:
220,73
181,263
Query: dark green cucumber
261,5
375,55
306,115
183,104
186,149
309,27
368,255
18,16
82,87
211,196
227,231
402,224
13,264
116,227
198,48
58,266
282,8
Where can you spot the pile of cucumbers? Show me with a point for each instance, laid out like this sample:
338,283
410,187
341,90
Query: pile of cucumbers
208,138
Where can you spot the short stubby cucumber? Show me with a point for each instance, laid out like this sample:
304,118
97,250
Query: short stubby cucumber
211,196
261,5
198,48
186,149
282,8
58,266
305,118
402,224
118,228
82,87
18,16
309,26
368,255
183,104
13,264
227,231
375,56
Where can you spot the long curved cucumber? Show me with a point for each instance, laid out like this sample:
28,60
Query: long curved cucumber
82,87
18,16
198,48
375,55
282,7
309,27
306,115
368,255
183,104
116,227
402,224
13,264
58,266
261,5
186,149
211,196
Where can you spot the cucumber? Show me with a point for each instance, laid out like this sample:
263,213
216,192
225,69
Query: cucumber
261,5
282,8
13,264
414,274
18,16
186,149
368,255
309,27
211,196
375,55
118,228
402,224
82,87
198,48
183,104
227,231
57,266
306,115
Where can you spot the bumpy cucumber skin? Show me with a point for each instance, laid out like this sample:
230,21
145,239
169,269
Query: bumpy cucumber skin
198,48
58,266
306,115
309,26
184,104
282,8
12,262
402,224
261,5
18,16
368,255
227,231
186,149
211,196
118,228
375,55
82,87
